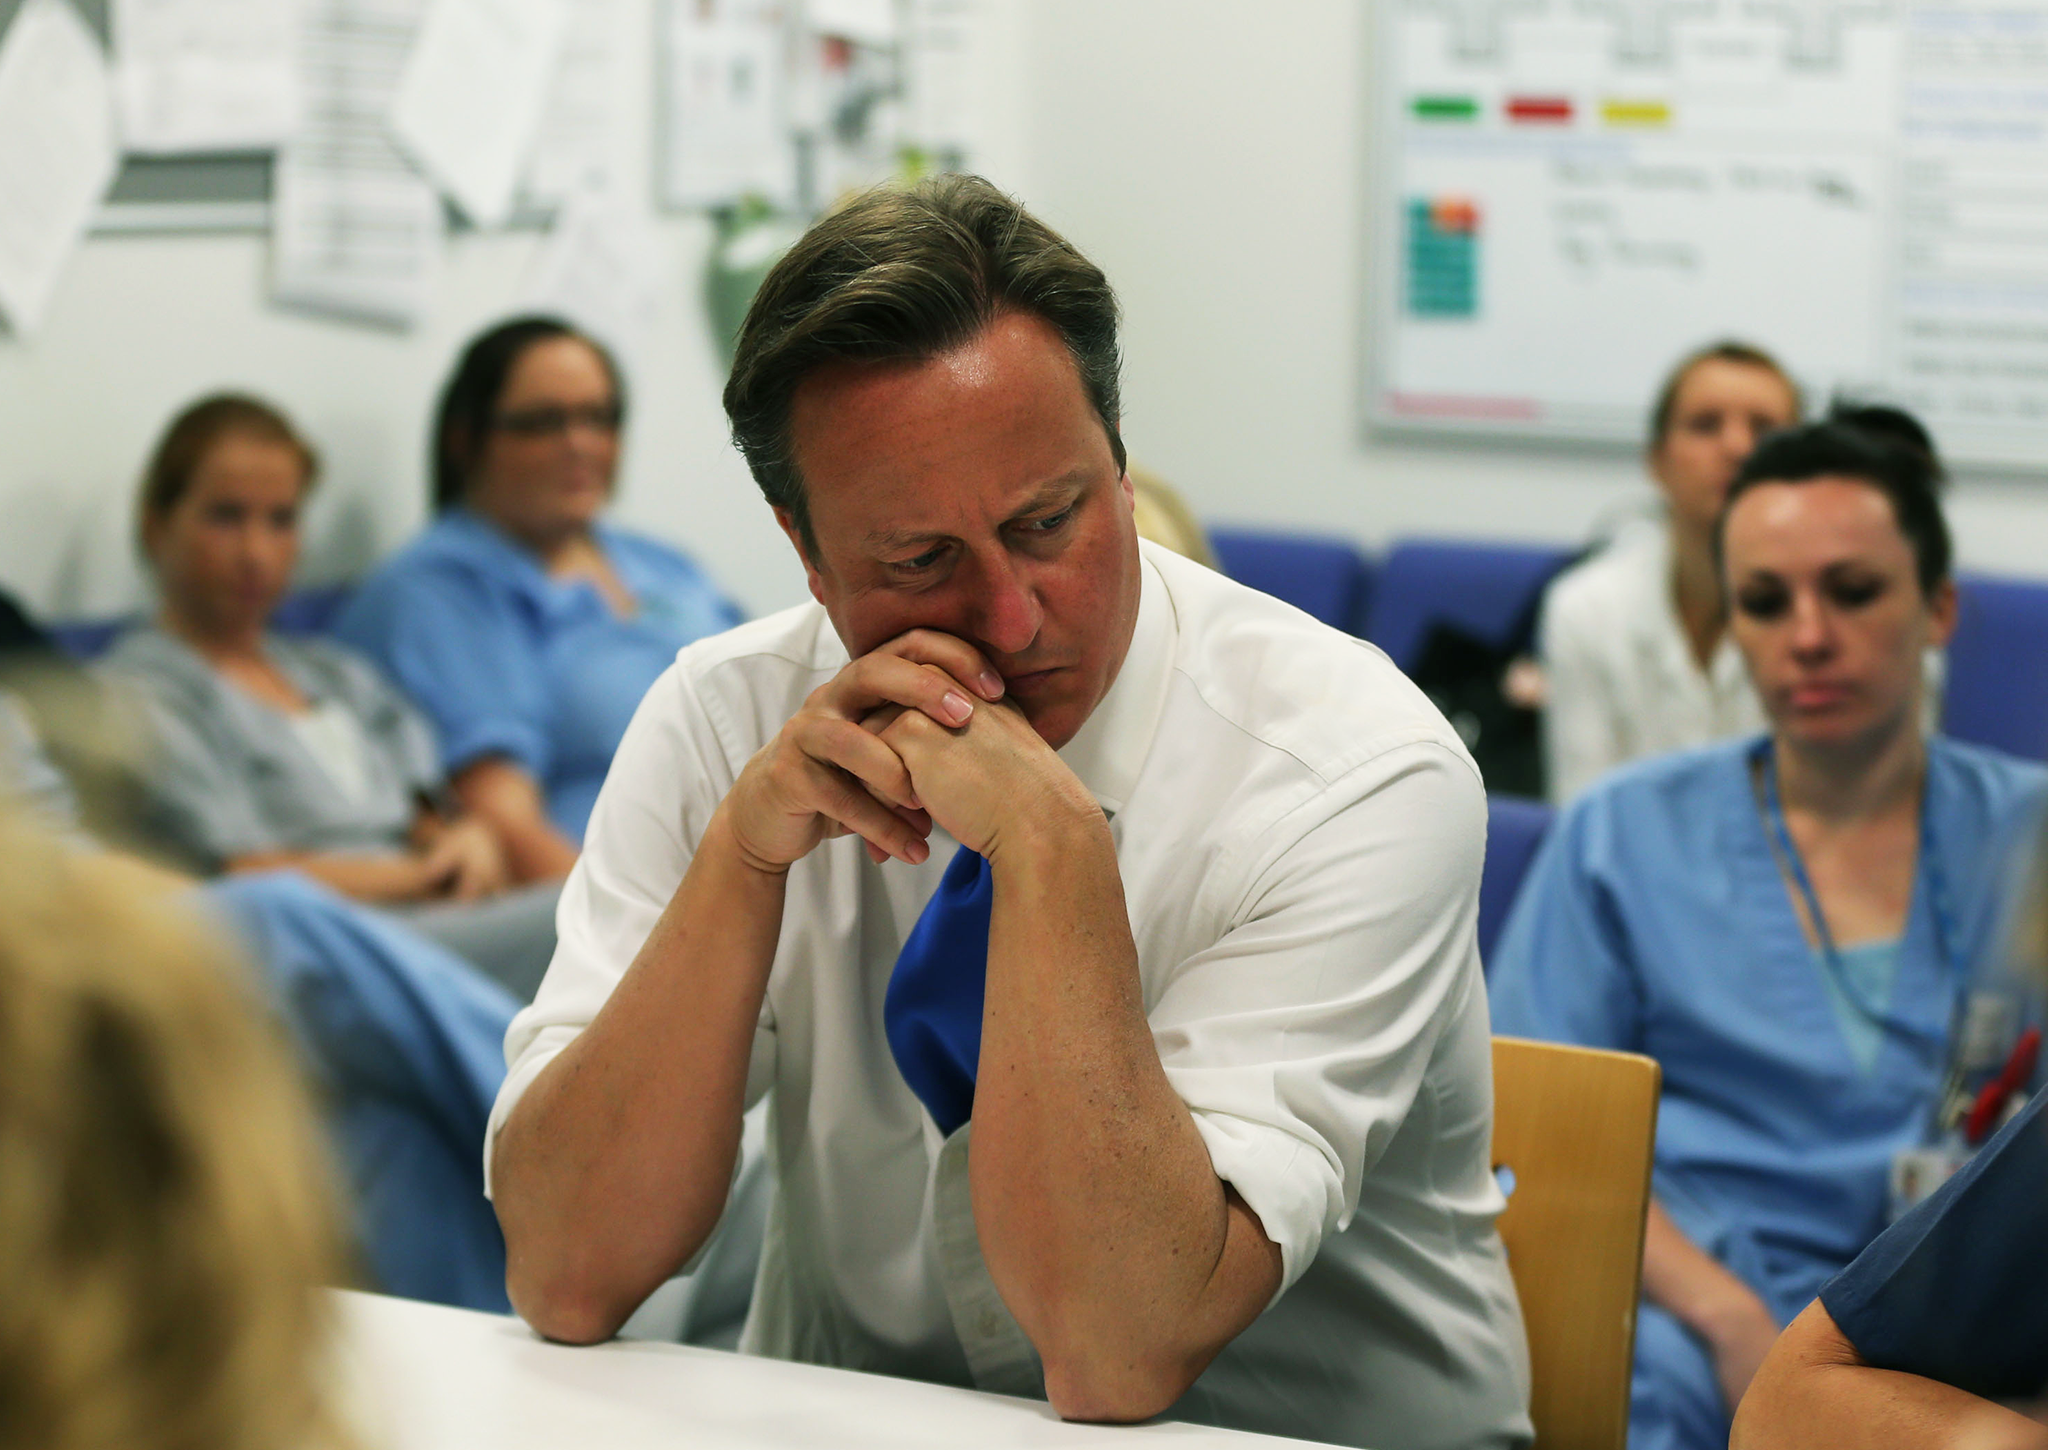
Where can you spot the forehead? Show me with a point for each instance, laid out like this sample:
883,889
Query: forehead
1719,382
556,367
936,443
241,459
1813,523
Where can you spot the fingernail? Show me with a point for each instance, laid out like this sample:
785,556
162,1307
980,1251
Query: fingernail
956,707
917,852
991,684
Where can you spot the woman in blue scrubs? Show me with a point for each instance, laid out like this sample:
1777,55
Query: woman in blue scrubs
1798,927
527,628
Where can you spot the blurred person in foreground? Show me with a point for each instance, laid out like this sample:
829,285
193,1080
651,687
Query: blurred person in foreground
1801,927
1104,929
1936,1338
165,1213
401,1038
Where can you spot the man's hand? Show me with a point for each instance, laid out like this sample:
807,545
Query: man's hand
824,775
987,781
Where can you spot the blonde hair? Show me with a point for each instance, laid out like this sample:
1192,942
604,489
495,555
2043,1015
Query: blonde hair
1164,517
165,1209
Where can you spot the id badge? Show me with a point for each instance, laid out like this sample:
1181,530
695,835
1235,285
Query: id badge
1917,1172
1990,1026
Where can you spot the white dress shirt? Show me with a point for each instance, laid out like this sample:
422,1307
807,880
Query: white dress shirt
1299,835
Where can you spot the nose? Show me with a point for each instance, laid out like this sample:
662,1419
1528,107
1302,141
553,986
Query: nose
1006,608
1813,626
1739,437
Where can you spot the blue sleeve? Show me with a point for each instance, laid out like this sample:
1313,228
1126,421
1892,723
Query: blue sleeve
1954,1291
461,651
1563,970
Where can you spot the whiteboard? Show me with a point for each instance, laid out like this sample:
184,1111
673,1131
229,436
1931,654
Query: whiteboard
1567,195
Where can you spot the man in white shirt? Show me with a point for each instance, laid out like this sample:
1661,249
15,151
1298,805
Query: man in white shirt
1231,1108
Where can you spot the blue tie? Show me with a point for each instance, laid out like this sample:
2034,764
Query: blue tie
932,1013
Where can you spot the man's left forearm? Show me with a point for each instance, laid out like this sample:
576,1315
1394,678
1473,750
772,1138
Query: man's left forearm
1101,1218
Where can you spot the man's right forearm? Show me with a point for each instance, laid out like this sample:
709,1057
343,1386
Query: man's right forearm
614,1167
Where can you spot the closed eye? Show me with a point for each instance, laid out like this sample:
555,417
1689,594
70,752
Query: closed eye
1763,601
1854,592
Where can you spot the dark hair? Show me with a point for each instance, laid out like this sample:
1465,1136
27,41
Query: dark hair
469,400
193,434
905,275
1836,450
1889,425
1729,351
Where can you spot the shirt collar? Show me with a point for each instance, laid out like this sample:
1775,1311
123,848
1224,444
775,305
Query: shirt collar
1109,749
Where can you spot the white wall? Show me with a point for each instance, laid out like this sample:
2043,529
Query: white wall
1209,153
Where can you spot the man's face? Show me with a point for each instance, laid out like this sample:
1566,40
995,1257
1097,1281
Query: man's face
975,494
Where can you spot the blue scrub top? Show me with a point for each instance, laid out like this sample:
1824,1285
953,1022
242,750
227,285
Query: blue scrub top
1655,920
509,662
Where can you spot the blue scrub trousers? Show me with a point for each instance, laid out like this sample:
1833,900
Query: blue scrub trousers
1675,1400
405,1043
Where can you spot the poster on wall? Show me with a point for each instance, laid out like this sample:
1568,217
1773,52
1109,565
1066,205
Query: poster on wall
1568,196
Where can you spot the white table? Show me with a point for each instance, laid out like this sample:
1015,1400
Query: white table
421,1377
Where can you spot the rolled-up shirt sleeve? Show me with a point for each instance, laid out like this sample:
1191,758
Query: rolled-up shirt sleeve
1300,1039
672,769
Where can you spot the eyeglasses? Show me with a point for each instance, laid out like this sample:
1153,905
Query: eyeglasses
552,421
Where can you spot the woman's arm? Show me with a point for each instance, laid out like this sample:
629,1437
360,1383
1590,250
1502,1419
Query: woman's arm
1815,1389
378,878
1696,1289
466,849
508,799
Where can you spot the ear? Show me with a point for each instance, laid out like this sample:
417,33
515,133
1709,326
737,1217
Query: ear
1944,605
790,531
1130,491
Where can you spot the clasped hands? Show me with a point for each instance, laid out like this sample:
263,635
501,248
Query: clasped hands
914,732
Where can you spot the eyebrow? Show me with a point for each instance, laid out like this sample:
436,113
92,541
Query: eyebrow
1045,495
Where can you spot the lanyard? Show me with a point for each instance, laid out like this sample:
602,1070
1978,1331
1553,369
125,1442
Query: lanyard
1928,869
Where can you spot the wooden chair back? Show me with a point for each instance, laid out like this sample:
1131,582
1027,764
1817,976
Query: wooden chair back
1575,1127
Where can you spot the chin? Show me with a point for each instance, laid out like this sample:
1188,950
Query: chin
1835,730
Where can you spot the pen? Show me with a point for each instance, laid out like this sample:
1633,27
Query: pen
1984,1113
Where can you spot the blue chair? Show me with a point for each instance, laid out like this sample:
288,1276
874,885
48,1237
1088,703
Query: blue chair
1327,577
1997,686
1515,827
1485,590
303,612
